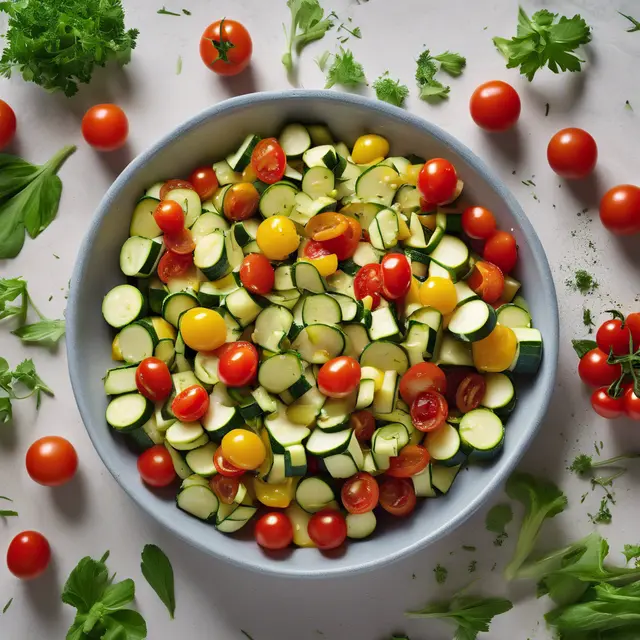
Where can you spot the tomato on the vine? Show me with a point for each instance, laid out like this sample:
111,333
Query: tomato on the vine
397,496
620,210
238,365
572,153
225,487
595,371
363,424
478,223
327,529
424,376
605,405
28,555
487,280
174,183
224,467
51,461
191,403
360,493
412,459
156,467
173,265
105,127
429,410
437,181
396,276
368,282
631,403
614,336
633,324
256,274
181,242
339,377
269,160
470,392
495,106
204,181
274,531
502,250
226,47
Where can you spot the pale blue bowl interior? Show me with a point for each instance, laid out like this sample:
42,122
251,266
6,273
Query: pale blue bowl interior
210,136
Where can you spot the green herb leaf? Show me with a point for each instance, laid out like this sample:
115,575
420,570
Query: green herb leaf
452,63
86,584
125,624
186,12
440,574
116,596
5,513
45,331
307,25
582,347
631,552
165,12
426,68
10,289
25,373
390,91
434,90
157,570
603,516
430,88
635,23
345,70
356,33
587,320
6,606
6,411
498,518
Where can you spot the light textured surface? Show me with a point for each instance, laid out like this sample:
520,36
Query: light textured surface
93,514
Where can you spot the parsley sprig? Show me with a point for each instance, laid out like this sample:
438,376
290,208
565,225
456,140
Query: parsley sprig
427,67
390,90
307,24
345,70
24,375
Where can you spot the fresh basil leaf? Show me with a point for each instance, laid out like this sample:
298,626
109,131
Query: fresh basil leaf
582,347
125,621
44,331
116,596
6,412
157,570
85,585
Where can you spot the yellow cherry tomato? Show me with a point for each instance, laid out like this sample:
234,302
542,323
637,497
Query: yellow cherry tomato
410,175
496,352
116,353
326,266
243,449
203,329
277,237
368,148
439,293
300,520
249,174
274,495
163,329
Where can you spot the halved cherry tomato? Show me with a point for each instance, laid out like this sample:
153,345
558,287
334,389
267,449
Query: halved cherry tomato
156,467
363,424
174,183
397,496
238,365
470,392
256,274
345,246
423,376
226,47
224,467
429,411
368,282
191,404
455,376
572,153
606,406
633,322
396,276
478,223
502,250
631,404
274,531
612,336
326,226
437,181
339,377
412,459
313,249
204,181
153,379
51,461
225,487
28,555
620,210
595,371
268,160
173,265
240,202
181,242
360,493
487,281
327,529
169,216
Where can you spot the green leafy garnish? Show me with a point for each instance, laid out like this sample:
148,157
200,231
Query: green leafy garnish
632,552
29,198
545,39
390,90
452,63
165,12
587,320
356,33
582,347
10,289
583,463
307,24
43,331
25,375
635,23
57,44
498,518
440,574
158,572
430,88
583,282
603,516
345,70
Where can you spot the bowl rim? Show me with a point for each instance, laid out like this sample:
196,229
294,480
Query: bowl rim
268,565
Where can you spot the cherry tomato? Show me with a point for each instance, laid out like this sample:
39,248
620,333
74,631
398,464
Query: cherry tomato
204,181
327,529
487,281
203,329
238,365
412,459
478,223
424,376
339,377
156,467
360,493
633,324
612,336
153,379
495,352
368,282
181,242
256,274
454,377
595,371
169,216
397,496
631,404
240,202
191,404
243,449
224,487
226,47
364,424
277,237
572,153
502,250
173,265
345,246
28,555
437,181
429,410
495,106
396,276
274,531
606,406
224,467
314,250
105,127
269,160
620,210
174,183
439,293
470,392
326,226
369,147
51,461
7,124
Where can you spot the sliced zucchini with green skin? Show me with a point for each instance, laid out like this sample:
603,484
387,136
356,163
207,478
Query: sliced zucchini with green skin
283,278
320,134
360,525
319,182
419,235
294,140
137,341
234,330
180,435
295,461
200,460
287,299
408,198
207,223
499,395
278,199
198,501
212,294
321,156
427,315
272,327
180,364
306,408
282,432
350,308
194,480
528,352
242,307
472,321
129,411
327,443
346,463
453,352
307,278
319,343
513,316
453,255
464,293
143,223
121,380
422,484
442,477
335,414
237,518
139,256
265,400
313,494
222,415
226,176
366,254
245,232
239,160
205,368
278,373
181,467
321,308
292,175
481,433
366,392
444,445
384,229
184,380
190,202
175,304
436,271
210,256
383,325
156,293
218,197
378,184
385,355
420,343
387,442
384,400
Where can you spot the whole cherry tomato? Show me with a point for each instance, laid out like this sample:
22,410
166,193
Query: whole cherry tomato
360,493
620,210
423,376
274,531
397,496
478,223
51,461
204,181
595,371
606,406
396,276
495,106
153,379
105,127
327,529
156,467
502,250
339,377
631,403
28,555
613,336
7,124
572,153
437,181
633,323
191,404
240,202
226,47
169,216
238,365
256,274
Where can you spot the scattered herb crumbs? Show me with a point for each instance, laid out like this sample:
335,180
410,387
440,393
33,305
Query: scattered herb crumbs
606,481
627,105
583,282
56,257
587,320
546,110
50,298
493,568
356,33
634,22
595,446
6,606
528,183
8,513
583,497
472,566
499,539
440,573
165,12
186,12
345,70
179,66
468,547
390,90
604,514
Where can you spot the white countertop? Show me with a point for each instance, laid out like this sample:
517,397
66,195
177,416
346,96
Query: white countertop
92,514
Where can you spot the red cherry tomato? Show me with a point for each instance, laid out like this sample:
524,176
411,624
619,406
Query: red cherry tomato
105,127
226,47
487,280
502,250
495,106
256,274
631,404
204,181
156,467
470,392
224,467
274,531
360,493
153,379
396,276
174,183
612,336
595,371
437,181
315,249
51,461
181,242
339,377
173,265
620,210
7,124
28,555
397,496
327,528
606,406
238,365
225,487
169,216
633,324
478,223
429,411
364,424
423,376
412,459
572,153
368,282
269,160
191,404
455,376
345,245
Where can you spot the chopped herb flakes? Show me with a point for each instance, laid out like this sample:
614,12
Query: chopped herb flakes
390,90
472,566
587,320
603,516
441,574
583,282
